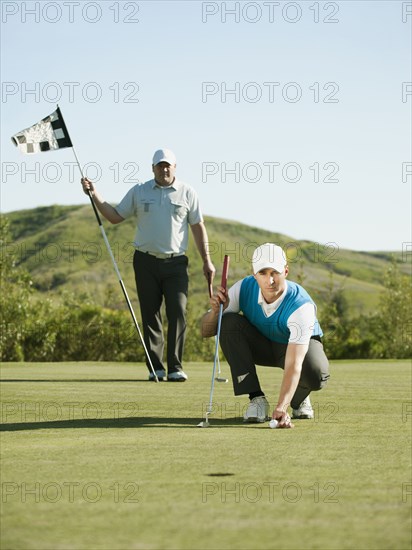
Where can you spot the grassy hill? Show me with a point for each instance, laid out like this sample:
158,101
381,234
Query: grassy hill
63,249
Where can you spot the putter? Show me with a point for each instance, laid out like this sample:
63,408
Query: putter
219,378
205,423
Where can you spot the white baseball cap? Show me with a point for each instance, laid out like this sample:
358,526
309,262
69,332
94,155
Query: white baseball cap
164,155
269,255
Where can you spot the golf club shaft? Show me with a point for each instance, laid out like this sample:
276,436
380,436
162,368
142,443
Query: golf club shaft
212,386
218,361
210,287
223,283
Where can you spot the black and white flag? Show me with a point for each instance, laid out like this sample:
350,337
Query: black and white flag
47,135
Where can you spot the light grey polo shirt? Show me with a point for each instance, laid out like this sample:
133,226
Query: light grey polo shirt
163,215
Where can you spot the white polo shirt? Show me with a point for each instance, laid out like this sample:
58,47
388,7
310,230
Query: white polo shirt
163,215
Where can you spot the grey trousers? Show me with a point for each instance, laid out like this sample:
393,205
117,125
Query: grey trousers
245,347
157,279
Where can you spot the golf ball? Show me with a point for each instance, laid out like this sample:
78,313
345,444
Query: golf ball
273,423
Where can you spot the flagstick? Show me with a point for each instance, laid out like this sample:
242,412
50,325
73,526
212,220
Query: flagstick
116,269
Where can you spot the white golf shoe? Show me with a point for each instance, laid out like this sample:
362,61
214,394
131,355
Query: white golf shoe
257,411
304,411
178,376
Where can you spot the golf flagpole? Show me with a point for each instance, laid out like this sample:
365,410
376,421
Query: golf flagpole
103,232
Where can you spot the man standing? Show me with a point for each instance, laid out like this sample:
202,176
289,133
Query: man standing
278,328
164,208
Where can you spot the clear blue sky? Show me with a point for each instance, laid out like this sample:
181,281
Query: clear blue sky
289,116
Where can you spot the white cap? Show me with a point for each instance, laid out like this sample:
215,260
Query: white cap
269,255
164,155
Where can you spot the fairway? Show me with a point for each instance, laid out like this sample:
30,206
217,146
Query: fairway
96,457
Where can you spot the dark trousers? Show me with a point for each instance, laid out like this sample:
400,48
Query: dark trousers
157,279
245,347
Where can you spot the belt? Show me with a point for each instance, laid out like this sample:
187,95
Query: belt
161,255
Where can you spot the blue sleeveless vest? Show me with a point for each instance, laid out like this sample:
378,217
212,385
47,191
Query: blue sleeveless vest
274,327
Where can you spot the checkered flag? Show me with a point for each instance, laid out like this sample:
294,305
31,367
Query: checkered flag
47,135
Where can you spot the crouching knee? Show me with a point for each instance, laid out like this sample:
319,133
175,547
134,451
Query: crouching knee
318,377
323,380
316,366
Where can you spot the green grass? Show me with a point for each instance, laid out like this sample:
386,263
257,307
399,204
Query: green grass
95,457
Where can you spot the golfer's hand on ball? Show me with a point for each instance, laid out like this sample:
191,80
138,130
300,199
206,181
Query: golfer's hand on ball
283,419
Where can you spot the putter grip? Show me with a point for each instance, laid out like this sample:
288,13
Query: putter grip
210,287
225,271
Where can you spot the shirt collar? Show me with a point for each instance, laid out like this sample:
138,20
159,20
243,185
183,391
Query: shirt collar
175,184
268,309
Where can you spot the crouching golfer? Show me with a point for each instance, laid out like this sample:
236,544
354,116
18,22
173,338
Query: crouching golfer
278,328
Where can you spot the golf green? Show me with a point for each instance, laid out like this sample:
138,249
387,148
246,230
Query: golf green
96,457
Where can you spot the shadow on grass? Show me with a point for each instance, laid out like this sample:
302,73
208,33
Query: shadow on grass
121,423
77,380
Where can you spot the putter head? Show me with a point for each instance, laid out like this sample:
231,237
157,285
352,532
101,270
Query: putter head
204,424
224,380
